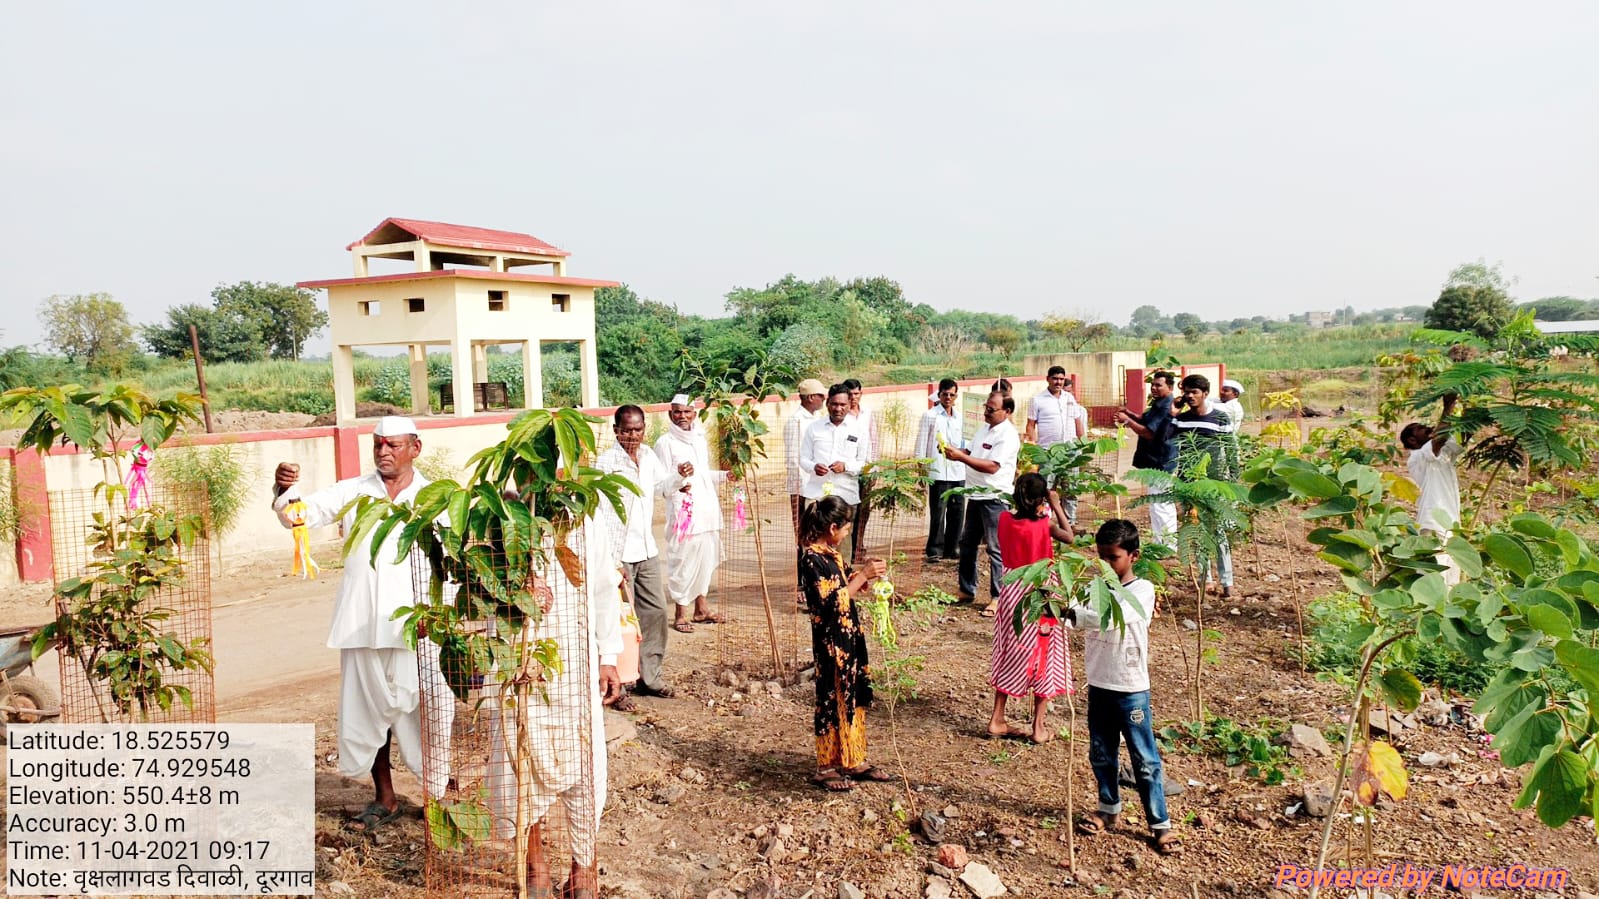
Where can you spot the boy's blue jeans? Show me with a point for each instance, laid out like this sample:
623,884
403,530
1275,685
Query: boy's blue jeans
1111,716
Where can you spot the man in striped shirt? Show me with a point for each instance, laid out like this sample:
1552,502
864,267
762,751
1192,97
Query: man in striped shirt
1203,427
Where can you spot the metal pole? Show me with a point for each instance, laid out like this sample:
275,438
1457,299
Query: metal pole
199,375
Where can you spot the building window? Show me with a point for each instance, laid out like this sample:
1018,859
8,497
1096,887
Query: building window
371,307
496,301
416,304
561,302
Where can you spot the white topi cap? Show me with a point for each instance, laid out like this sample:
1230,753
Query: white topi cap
1234,385
394,426
681,399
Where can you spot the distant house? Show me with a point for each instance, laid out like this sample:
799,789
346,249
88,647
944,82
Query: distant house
1319,319
1586,327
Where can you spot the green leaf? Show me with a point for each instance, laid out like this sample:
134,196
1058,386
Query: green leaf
1527,734
1312,484
1507,552
1338,505
1533,525
1549,620
1532,658
1560,783
1581,663
1465,556
1401,688
1430,590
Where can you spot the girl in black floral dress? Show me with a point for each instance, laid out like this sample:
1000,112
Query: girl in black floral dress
843,680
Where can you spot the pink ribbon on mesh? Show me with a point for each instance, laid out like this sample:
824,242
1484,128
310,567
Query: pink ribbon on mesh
685,516
138,480
740,519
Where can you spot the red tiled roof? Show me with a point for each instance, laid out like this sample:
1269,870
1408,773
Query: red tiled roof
464,236
467,273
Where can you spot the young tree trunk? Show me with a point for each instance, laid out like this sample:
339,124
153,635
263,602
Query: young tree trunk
778,668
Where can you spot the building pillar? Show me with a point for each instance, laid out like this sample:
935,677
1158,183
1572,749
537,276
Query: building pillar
590,375
343,384
360,263
418,353
346,452
424,259
461,376
35,552
533,374
560,268
480,362
497,264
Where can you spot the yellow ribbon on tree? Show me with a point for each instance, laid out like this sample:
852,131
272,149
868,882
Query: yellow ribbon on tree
304,565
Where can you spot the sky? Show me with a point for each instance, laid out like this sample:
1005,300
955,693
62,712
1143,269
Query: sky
1224,158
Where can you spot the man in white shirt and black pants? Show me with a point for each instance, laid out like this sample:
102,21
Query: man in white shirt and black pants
833,452
812,394
943,516
992,465
1054,416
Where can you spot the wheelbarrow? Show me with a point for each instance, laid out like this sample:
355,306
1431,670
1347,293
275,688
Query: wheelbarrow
24,698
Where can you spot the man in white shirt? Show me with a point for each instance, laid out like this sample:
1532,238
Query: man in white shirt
862,419
635,542
991,461
380,686
693,518
833,452
1230,392
941,426
1054,416
1433,455
812,394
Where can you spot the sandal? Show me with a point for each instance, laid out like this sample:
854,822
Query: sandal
663,692
989,610
832,781
1168,843
625,704
372,817
1096,824
712,618
870,773
683,627
1011,733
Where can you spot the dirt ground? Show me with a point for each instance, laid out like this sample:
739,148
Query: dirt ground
708,791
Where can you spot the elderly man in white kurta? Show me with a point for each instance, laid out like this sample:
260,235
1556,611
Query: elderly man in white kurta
566,725
693,516
380,686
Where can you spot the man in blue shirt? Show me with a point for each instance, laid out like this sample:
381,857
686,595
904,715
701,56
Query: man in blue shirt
1156,450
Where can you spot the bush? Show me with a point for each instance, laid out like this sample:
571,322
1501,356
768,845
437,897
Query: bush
801,350
218,470
1329,650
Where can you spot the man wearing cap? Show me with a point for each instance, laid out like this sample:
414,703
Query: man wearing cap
941,427
380,687
693,517
833,452
1054,416
1230,392
634,543
812,394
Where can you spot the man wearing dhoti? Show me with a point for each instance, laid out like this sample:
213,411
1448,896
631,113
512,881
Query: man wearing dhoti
694,516
566,725
380,687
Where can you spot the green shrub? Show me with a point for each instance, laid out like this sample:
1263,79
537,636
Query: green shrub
1329,651
219,470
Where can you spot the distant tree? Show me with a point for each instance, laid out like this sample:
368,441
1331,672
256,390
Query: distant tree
1149,320
223,337
1562,309
1188,323
884,295
1076,333
1004,339
284,315
1475,298
90,329
638,342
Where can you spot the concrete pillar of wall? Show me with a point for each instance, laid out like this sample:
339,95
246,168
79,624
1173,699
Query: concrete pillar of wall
590,374
418,353
360,263
424,259
497,264
480,362
346,452
1137,391
35,553
560,268
533,374
461,376
343,384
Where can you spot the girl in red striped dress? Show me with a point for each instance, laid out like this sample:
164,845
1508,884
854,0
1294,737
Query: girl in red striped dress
1035,662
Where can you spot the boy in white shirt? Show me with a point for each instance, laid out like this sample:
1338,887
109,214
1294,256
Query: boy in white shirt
1118,693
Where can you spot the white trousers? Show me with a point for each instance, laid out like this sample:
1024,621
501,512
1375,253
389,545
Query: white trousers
690,565
1162,520
379,693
